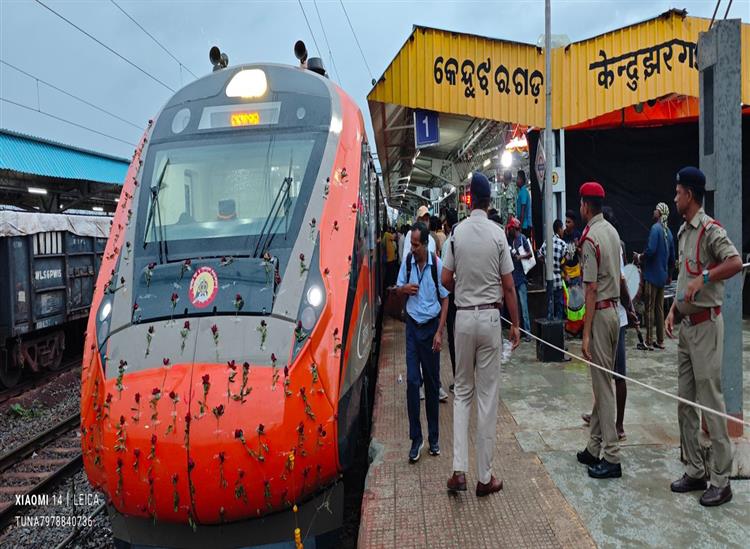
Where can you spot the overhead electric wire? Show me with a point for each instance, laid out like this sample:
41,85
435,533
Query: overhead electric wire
40,111
328,45
309,27
356,40
92,105
105,46
728,8
152,37
716,9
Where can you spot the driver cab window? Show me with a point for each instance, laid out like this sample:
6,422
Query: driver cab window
226,190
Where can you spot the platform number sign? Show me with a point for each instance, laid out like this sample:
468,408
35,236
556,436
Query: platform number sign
426,128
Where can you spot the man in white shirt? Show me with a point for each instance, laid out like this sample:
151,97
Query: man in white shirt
423,215
401,239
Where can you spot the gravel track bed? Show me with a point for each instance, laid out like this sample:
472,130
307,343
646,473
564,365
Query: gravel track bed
47,405
78,500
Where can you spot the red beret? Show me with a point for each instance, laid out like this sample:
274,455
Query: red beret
591,189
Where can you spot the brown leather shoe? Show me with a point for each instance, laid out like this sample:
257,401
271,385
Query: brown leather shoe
457,483
491,487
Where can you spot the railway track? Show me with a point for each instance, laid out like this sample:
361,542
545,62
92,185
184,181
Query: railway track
34,382
37,465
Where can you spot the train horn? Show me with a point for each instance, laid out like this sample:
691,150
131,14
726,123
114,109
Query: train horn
218,59
300,52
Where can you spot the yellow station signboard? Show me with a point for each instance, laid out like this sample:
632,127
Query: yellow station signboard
499,80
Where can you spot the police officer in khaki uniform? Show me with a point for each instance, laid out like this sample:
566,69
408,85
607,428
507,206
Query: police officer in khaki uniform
707,258
478,254
600,246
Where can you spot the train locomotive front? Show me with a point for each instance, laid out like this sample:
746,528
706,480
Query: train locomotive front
233,322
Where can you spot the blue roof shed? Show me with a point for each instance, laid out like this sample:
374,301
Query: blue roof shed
33,155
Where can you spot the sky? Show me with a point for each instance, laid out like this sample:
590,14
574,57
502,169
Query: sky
43,45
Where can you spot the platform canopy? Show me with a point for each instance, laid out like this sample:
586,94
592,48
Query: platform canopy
40,174
642,74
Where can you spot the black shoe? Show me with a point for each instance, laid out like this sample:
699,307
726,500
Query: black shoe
586,458
416,450
688,484
434,449
605,469
716,496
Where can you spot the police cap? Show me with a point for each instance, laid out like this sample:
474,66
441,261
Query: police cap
480,186
692,178
591,189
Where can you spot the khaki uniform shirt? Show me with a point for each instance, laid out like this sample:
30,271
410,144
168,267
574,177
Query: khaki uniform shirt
714,247
478,253
600,246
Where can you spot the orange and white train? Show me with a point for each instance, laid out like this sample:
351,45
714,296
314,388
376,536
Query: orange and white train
235,316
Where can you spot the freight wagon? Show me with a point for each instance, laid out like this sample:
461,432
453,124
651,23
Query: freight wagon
48,267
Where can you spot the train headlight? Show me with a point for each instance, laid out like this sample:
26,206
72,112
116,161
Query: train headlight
248,84
314,296
312,302
105,311
308,318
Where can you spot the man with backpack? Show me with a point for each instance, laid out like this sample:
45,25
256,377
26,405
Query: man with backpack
426,312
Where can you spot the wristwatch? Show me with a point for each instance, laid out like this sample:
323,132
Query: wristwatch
705,276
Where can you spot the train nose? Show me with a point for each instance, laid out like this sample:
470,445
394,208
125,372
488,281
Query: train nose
209,443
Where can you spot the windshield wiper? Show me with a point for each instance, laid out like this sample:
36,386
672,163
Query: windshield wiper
280,201
151,221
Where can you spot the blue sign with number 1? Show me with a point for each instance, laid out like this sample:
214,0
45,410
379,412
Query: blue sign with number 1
426,128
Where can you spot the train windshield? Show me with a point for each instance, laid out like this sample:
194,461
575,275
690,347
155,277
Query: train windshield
217,196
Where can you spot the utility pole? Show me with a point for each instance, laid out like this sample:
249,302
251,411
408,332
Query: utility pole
549,144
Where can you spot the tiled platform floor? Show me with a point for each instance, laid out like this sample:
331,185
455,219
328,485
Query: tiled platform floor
407,505
548,500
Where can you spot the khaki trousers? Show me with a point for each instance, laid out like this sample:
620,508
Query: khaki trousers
653,301
603,433
699,355
478,352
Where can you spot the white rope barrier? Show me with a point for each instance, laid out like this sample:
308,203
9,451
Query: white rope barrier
640,383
